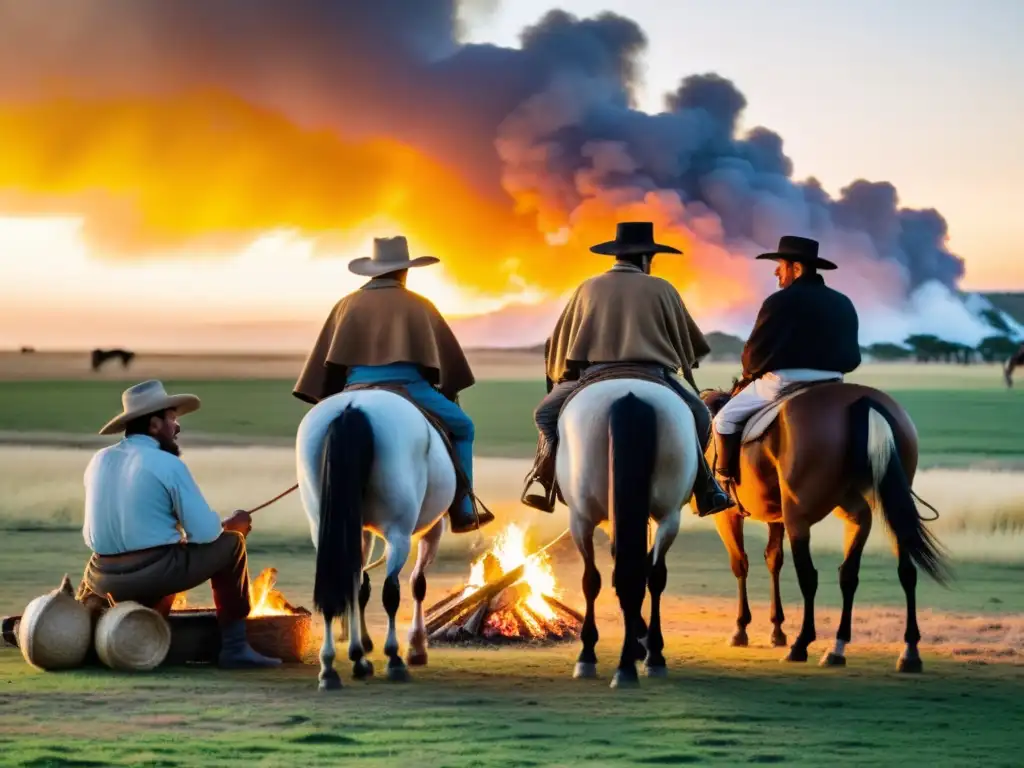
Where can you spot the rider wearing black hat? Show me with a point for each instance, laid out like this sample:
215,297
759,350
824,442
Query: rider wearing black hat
624,315
805,332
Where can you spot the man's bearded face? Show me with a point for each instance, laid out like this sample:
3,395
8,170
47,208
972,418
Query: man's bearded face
164,430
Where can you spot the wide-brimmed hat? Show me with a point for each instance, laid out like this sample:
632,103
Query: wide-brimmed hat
801,250
632,238
390,254
145,398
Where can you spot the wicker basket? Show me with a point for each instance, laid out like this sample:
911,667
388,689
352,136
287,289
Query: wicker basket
55,631
132,638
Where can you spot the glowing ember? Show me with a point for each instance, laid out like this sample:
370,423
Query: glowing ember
263,597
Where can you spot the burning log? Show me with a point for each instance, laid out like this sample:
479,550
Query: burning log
507,599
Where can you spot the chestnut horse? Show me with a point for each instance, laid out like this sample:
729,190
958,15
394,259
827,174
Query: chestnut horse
835,447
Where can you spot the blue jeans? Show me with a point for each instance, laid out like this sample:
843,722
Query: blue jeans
420,390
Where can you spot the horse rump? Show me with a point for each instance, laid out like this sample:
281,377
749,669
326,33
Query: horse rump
877,458
633,440
347,459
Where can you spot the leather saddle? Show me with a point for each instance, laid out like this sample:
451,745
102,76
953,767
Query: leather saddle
462,486
612,372
761,421
594,375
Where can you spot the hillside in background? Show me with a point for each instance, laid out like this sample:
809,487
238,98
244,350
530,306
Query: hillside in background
1011,302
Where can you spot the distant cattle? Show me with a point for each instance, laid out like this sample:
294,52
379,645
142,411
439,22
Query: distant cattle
100,356
27,350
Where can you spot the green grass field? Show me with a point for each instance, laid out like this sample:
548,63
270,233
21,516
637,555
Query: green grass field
520,708
720,706
960,413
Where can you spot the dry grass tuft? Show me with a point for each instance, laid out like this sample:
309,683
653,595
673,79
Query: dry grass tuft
981,511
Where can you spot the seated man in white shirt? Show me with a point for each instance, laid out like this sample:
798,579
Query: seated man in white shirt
151,531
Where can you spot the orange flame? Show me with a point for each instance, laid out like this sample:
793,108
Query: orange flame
264,599
510,552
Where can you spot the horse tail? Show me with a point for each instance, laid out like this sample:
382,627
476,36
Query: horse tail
633,440
347,459
874,444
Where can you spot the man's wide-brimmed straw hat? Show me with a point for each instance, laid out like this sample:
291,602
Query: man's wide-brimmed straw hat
390,254
145,398
633,238
801,250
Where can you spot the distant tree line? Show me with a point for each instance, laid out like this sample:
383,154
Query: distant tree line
921,348
928,348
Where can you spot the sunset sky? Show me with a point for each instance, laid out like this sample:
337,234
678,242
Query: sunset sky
928,100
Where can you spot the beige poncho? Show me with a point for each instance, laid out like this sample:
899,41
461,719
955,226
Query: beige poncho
379,324
624,316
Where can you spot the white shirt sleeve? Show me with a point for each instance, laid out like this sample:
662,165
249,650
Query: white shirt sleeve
202,525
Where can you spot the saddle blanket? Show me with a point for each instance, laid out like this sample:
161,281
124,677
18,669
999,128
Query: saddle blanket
759,423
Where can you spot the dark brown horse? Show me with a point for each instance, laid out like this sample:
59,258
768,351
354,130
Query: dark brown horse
1014,361
834,448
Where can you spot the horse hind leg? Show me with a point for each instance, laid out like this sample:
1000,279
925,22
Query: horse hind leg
857,515
364,592
668,529
774,558
583,534
428,546
361,666
799,534
329,678
399,546
729,525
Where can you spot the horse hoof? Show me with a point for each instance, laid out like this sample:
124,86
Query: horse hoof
398,673
418,659
659,671
625,679
362,669
740,639
910,665
832,660
779,639
367,646
585,670
330,681
796,654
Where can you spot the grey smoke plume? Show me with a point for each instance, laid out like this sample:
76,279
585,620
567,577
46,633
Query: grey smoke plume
552,124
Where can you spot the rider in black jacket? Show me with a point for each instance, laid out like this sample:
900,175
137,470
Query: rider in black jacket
805,332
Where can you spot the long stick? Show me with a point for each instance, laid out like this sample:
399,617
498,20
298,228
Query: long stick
276,498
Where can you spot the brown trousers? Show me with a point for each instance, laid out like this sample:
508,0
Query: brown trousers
152,577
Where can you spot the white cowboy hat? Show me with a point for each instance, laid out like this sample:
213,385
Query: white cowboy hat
148,397
390,254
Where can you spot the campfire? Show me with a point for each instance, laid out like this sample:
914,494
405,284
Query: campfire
510,597
275,627
264,598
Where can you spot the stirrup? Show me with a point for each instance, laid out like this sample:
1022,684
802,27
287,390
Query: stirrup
545,503
480,515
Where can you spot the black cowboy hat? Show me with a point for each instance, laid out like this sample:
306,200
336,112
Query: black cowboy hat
801,250
632,238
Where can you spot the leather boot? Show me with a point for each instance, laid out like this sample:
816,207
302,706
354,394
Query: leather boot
235,651
727,448
543,473
708,496
463,520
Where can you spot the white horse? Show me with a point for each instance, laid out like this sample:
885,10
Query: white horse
370,463
627,453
